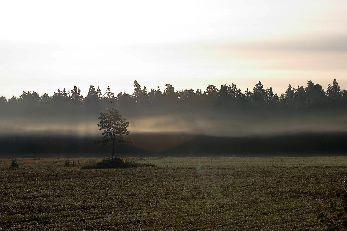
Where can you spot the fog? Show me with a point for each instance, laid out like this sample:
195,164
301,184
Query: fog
215,124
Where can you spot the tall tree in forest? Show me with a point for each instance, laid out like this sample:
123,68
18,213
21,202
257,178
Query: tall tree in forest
140,94
259,93
76,96
93,96
289,95
334,91
315,94
109,98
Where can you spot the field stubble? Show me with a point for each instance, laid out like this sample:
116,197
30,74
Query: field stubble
196,193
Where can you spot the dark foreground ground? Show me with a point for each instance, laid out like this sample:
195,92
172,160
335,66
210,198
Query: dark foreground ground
224,193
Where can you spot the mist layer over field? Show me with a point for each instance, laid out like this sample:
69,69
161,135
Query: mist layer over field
191,133
207,123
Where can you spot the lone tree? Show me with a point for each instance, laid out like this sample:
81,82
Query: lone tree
114,128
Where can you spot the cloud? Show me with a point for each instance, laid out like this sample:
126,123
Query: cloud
310,43
317,43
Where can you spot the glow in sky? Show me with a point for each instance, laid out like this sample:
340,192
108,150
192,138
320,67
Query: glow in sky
46,45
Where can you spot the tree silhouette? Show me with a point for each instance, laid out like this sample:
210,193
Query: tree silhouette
140,95
289,95
114,128
93,95
3,100
60,97
211,90
334,91
76,96
259,95
227,99
109,98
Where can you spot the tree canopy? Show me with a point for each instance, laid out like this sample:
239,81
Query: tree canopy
114,127
226,98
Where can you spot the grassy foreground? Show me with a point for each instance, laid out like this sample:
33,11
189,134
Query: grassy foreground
224,193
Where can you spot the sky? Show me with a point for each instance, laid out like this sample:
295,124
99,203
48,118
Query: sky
46,45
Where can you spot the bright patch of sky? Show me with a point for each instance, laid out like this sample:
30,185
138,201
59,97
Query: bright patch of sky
46,45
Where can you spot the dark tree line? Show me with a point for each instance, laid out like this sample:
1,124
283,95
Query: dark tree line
227,98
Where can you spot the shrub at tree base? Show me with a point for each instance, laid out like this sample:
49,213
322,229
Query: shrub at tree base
115,163
14,164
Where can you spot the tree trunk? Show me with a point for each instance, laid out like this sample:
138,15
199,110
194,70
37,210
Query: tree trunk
113,149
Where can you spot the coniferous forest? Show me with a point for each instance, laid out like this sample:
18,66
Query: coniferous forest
225,119
226,99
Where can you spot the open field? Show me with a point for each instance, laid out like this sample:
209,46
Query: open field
222,193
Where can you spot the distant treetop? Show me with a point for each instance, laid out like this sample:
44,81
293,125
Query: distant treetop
226,97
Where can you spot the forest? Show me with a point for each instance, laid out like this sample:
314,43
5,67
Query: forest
226,98
223,111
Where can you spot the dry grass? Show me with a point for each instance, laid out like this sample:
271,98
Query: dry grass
226,193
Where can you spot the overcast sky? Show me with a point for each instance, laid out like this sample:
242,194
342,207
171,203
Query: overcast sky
46,45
